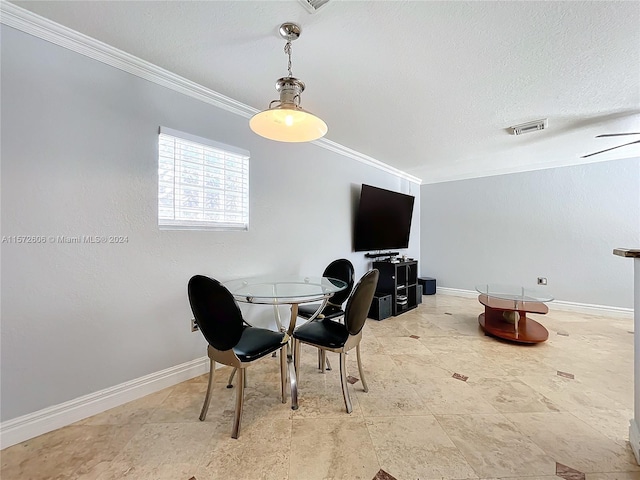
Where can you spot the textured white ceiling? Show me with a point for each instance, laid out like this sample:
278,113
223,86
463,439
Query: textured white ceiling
427,87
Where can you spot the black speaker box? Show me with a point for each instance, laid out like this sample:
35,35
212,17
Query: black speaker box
428,285
380,307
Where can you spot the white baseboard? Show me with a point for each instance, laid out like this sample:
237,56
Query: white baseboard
634,438
556,304
33,424
593,309
456,292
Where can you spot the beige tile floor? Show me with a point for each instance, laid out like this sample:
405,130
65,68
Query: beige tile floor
523,412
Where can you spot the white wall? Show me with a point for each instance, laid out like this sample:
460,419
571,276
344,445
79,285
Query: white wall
560,223
79,157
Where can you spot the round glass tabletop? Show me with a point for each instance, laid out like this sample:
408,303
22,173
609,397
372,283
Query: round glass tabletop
284,289
514,292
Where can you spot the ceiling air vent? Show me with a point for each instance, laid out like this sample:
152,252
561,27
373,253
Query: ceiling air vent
313,5
529,127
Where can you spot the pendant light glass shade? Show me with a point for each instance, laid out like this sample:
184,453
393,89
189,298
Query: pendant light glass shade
285,120
288,124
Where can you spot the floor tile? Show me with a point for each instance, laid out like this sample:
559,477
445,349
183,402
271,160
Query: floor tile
62,453
419,369
511,395
124,471
332,448
570,394
493,446
396,401
613,476
574,443
406,452
400,345
450,395
157,444
261,451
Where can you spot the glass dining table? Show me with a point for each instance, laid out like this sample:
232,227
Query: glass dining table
286,290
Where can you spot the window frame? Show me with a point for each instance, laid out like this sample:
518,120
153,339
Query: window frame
179,222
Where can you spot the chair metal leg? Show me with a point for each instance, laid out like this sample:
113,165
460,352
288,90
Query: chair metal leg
230,381
364,382
207,398
343,381
296,358
323,360
283,373
239,403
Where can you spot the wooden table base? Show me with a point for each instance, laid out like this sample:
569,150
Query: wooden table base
499,315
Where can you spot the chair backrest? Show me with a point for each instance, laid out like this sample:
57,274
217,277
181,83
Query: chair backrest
215,311
341,269
357,310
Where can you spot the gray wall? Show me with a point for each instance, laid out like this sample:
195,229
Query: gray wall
79,157
560,223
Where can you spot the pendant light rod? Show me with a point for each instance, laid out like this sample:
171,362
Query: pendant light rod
285,120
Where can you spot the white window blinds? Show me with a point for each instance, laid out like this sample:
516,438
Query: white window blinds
202,184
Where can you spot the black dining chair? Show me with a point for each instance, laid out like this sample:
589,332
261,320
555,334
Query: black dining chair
231,341
341,269
330,335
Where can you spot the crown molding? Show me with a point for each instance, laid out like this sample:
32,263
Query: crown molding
40,27
362,158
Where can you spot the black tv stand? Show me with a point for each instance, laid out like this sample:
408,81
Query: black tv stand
400,281
382,254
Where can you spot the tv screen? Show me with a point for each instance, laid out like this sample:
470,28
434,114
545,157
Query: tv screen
383,220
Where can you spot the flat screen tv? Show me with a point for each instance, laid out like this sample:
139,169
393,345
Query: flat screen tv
383,220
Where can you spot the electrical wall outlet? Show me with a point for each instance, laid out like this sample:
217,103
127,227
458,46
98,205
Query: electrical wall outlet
542,280
194,325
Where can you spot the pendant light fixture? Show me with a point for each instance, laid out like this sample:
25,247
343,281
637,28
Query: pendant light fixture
285,120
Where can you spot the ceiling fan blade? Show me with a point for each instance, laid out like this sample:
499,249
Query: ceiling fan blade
612,148
616,134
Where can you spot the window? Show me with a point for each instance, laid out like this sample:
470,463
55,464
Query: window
202,184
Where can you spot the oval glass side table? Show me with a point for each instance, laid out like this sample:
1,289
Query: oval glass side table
505,312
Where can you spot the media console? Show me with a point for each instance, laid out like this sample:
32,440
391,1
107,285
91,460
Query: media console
400,281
